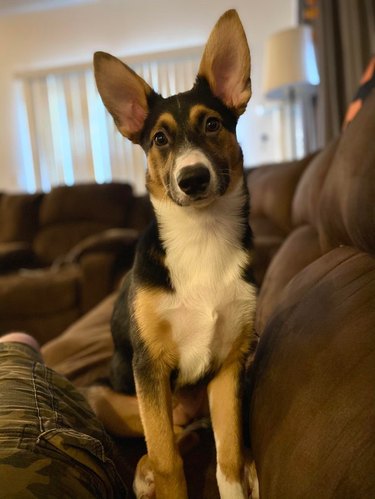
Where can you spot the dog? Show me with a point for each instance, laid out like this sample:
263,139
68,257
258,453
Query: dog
186,309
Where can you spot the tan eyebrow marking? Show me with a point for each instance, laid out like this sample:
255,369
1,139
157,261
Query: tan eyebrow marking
199,110
167,121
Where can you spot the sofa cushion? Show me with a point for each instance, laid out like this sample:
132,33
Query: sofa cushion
105,203
40,302
82,353
299,250
46,291
69,214
347,206
16,255
19,216
56,240
271,190
313,403
307,195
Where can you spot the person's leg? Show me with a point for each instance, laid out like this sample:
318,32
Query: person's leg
51,443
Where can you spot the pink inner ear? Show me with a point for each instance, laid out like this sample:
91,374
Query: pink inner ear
133,116
229,84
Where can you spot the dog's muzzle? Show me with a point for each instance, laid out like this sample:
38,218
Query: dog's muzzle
194,181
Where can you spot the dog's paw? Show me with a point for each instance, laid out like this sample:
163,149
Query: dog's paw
252,480
144,485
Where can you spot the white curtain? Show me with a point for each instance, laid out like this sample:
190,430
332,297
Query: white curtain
71,138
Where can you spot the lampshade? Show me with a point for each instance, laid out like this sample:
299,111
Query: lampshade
290,62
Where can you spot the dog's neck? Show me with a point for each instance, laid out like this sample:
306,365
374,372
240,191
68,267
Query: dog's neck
204,245
224,219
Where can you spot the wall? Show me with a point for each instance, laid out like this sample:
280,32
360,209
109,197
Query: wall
70,35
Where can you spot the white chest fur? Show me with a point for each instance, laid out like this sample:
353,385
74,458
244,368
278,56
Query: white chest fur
212,303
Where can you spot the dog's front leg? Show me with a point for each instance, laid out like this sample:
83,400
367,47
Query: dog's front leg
154,396
225,406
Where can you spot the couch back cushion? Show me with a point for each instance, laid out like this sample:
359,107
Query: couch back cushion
333,206
347,204
336,193
141,213
306,198
19,217
313,395
271,190
68,214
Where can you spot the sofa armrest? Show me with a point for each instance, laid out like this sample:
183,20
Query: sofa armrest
103,258
16,255
108,241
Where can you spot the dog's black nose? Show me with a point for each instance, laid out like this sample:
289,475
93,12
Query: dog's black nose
194,180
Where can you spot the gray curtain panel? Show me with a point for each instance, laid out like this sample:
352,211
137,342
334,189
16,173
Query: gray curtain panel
345,35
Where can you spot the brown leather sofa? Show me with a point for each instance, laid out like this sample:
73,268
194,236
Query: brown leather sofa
310,400
312,414
63,252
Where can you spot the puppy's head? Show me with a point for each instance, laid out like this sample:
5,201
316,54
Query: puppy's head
192,152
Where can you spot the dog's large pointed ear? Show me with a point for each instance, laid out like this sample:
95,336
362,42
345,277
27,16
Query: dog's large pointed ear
124,94
225,63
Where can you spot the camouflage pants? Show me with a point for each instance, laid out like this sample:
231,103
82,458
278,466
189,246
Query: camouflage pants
51,444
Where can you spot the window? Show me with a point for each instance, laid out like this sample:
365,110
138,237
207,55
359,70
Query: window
69,137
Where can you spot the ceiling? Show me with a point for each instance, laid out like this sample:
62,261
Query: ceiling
8,7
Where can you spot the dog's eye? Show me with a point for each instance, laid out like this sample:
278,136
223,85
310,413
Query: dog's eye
160,139
212,124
